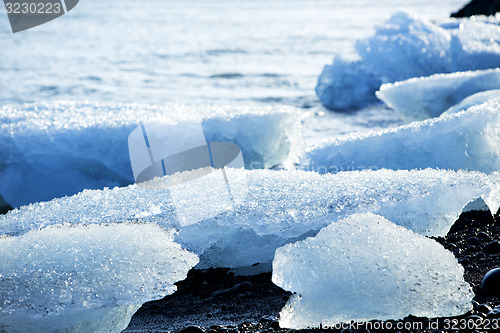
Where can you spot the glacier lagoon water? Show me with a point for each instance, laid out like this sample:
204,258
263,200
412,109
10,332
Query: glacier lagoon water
204,52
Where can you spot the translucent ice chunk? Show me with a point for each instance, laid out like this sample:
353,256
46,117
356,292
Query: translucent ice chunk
366,267
86,278
279,207
405,47
50,150
466,140
427,97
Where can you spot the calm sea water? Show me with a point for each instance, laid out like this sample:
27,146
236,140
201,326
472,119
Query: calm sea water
198,51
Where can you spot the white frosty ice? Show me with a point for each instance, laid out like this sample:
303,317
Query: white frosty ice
86,278
366,267
475,99
406,47
475,44
466,140
427,97
49,150
279,207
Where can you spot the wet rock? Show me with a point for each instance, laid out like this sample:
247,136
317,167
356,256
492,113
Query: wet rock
490,284
275,325
483,308
474,318
478,7
464,261
473,240
483,236
493,247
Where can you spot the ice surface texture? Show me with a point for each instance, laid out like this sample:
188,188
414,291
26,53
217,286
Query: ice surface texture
475,99
56,149
76,278
427,97
366,267
279,207
465,140
406,47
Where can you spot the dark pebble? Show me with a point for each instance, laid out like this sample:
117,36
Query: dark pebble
483,236
473,240
471,249
475,318
192,329
483,308
463,261
493,247
491,283
275,325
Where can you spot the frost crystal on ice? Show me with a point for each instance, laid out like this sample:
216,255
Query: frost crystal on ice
279,207
475,99
466,140
405,47
366,267
86,278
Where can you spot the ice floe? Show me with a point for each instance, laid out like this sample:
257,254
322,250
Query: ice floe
366,267
427,97
86,278
277,207
50,150
406,47
465,140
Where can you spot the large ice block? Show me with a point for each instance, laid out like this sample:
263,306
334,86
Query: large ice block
366,267
86,278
